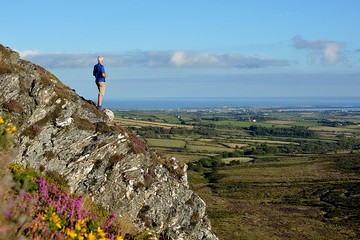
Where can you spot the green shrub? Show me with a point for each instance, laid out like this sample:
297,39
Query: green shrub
24,178
7,130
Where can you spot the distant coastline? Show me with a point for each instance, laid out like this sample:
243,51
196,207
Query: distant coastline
349,103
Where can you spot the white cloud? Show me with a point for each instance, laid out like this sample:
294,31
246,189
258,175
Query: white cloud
139,58
328,51
196,59
332,52
59,60
27,53
178,58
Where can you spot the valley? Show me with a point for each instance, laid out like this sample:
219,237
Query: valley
264,173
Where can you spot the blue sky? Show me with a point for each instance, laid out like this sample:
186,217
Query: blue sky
190,49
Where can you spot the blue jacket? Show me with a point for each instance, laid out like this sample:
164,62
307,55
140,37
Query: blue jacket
99,69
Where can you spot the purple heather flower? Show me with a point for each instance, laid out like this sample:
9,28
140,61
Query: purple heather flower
72,214
110,221
27,196
7,213
43,189
79,206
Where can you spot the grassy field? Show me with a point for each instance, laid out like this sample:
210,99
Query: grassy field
141,123
208,148
241,159
286,199
311,194
167,143
268,141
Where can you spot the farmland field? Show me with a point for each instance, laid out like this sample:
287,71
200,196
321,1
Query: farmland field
169,143
241,159
287,175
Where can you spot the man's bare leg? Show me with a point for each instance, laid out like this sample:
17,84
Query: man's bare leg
99,100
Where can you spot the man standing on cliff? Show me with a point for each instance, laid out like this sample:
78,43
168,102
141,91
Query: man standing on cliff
100,75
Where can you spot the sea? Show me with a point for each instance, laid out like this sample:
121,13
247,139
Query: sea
315,103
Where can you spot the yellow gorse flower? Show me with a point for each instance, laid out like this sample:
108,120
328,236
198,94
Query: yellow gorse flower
78,226
90,236
119,238
100,232
14,167
6,127
55,219
71,233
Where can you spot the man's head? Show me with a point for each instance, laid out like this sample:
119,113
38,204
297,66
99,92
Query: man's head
100,59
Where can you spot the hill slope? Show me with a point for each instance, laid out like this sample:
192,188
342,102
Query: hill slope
59,131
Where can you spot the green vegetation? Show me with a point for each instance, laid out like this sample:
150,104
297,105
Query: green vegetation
265,174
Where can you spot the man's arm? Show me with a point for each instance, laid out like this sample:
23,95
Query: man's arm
104,74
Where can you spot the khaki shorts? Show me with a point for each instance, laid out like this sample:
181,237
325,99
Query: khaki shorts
101,86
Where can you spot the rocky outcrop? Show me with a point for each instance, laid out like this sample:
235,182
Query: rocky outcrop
60,132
